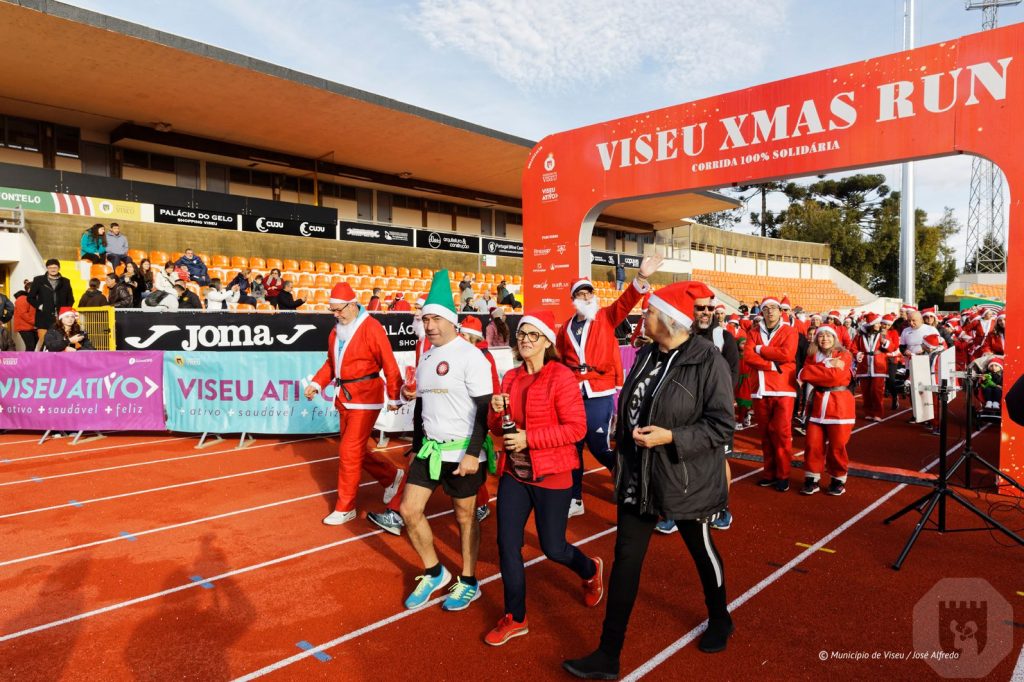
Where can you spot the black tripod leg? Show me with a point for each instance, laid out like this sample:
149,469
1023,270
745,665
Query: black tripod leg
999,474
988,519
935,497
915,505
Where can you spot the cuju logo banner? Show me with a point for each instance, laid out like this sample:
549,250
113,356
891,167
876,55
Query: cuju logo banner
225,392
101,391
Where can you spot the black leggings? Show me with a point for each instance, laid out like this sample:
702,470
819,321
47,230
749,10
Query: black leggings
634,534
30,339
551,509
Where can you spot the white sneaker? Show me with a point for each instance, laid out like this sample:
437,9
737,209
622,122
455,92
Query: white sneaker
392,490
576,508
339,517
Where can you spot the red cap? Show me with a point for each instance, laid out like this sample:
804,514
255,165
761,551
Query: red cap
929,311
67,311
873,319
543,320
933,341
785,303
342,293
471,325
676,300
770,300
888,319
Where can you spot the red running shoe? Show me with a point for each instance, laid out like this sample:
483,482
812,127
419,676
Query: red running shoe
506,629
593,589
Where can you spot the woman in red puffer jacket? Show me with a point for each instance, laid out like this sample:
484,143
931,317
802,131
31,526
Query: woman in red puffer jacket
542,398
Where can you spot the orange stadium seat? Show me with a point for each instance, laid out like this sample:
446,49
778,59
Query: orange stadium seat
324,281
137,255
366,282
364,296
377,271
337,269
390,271
99,271
274,263
306,266
205,257
289,265
351,269
456,275
415,273
305,280
219,261
322,267
263,306
322,296
239,262
427,273
158,257
245,308
516,279
364,269
403,272
257,263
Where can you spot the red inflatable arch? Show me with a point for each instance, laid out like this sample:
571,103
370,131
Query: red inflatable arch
960,96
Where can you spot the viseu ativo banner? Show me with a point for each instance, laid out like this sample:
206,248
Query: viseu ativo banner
235,392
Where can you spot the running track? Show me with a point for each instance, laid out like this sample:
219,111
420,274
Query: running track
142,558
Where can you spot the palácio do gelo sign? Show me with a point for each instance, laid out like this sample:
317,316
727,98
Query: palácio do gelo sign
960,96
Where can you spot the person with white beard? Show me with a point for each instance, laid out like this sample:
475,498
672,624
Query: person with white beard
587,345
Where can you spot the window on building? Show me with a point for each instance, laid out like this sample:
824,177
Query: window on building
66,141
217,178
21,133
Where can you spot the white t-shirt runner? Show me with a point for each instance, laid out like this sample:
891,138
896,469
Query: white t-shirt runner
913,339
447,378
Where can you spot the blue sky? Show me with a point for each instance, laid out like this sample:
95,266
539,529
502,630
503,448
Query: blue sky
533,67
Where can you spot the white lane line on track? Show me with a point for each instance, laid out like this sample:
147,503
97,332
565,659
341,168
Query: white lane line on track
230,450
673,648
79,503
1018,671
222,576
392,619
76,452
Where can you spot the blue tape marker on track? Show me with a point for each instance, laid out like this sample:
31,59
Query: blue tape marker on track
128,536
320,656
203,582
75,503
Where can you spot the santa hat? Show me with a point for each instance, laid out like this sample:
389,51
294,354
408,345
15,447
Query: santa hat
833,313
785,303
827,329
929,311
645,302
888,319
720,306
342,293
676,300
439,301
543,320
67,311
872,319
471,325
1001,316
997,361
733,319
420,301
816,316
581,283
770,300
497,313
933,341
399,295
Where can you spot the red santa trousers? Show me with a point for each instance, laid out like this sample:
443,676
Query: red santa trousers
873,389
830,457
774,415
356,427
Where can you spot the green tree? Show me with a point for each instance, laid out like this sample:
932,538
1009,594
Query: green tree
996,260
936,262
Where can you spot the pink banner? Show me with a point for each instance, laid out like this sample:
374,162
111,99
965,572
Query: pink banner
94,391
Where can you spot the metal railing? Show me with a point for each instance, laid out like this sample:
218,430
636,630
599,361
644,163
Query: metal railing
12,219
681,241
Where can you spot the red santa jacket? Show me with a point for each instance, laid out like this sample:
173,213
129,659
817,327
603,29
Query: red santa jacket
367,352
598,348
773,358
995,342
979,329
876,347
400,306
830,407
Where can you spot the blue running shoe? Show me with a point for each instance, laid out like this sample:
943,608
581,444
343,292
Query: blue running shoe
666,526
723,522
461,595
427,586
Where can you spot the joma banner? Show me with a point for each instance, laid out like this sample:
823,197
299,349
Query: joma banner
245,392
98,391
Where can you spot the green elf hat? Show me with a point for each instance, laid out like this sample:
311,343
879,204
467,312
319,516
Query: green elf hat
439,300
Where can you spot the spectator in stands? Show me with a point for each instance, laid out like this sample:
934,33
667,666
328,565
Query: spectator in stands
466,285
285,300
219,298
467,302
497,333
241,281
133,278
259,292
6,307
400,305
165,281
160,301
187,300
66,335
119,294
273,284
743,309
196,267
620,276
484,303
93,297
25,320
49,293
374,303
94,244
148,276
117,246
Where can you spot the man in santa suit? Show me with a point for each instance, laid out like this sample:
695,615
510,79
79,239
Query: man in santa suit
894,357
400,305
732,325
720,314
358,350
873,348
587,345
771,353
832,413
787,311
835,320
979,329
995,341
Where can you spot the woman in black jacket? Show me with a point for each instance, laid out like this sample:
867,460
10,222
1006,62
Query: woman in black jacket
66,335
675,417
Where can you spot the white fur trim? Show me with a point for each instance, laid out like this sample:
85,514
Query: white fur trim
663,306
544,329
441,311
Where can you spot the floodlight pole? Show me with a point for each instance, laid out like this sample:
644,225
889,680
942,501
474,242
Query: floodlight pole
908,223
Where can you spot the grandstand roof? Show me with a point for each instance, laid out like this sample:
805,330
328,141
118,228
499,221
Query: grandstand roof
77,67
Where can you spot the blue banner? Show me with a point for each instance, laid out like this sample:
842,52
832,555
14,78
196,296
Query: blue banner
220,392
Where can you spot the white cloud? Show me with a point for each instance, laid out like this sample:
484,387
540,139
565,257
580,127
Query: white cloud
554,45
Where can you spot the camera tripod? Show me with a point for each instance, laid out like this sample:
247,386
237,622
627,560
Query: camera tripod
927,504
